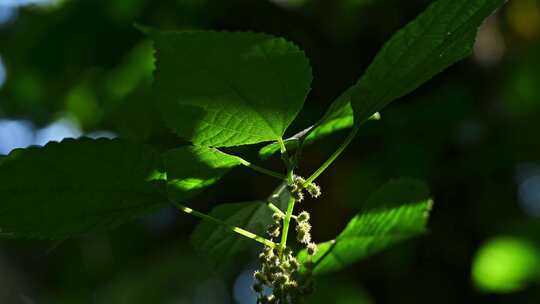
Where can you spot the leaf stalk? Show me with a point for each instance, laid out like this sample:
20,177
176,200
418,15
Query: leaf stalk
261,169
332,157
232,228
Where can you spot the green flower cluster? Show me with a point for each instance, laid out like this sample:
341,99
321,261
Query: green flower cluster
298,186
280,269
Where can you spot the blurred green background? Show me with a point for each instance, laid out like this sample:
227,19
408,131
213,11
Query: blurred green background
79,67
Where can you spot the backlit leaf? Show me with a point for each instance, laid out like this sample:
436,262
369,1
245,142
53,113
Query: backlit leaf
442,35
339,116
396,212
190,169
229,88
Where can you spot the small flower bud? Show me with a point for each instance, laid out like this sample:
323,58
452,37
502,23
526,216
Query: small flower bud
273,230
273,270
259,276
274,260
293,188
303,237
314,190
303,226
293,265
311,248
298,196
277,217
280,279
298,180
289,286
271,299
303,217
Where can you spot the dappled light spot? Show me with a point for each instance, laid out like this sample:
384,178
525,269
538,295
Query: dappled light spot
505,264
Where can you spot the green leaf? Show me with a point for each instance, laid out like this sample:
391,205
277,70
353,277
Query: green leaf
339,116
396,212
77,186
190,169
218,243
227,89
439,37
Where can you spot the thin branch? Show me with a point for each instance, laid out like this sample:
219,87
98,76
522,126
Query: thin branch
238,230
286,222
261,169
333,157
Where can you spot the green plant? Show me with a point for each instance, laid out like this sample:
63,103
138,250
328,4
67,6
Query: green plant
219,90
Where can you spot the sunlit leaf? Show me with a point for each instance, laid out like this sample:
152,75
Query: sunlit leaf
506,264
190,169
77,186
227,89
396,212
439,37
339,116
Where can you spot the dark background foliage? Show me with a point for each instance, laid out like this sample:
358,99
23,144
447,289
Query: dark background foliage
80,67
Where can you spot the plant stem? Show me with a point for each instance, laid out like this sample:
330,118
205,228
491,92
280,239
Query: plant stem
260,169
290,203
238,230
286,223
282,147
332,157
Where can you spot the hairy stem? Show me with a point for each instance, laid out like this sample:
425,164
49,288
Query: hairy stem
238,230
332,157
